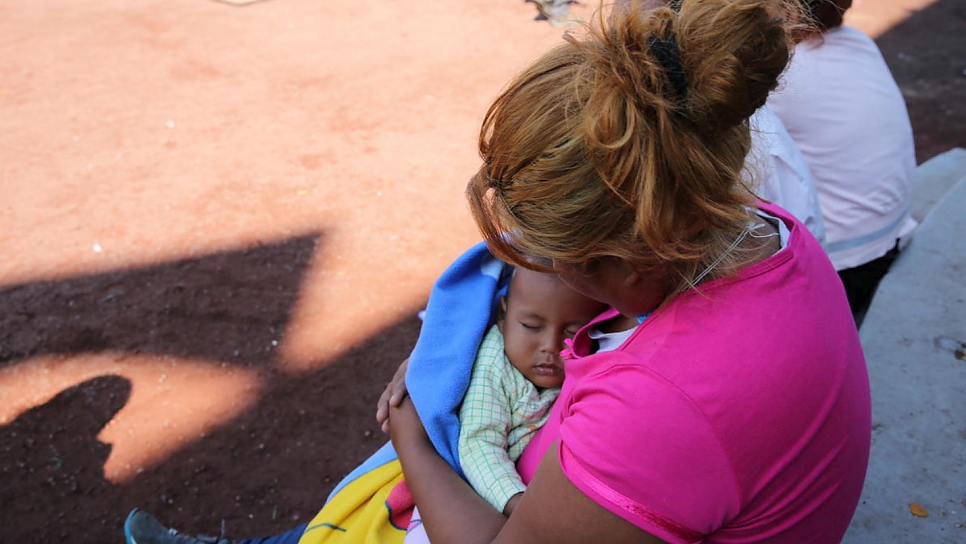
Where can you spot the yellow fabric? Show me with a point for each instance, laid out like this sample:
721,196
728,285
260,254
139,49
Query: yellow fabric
359,513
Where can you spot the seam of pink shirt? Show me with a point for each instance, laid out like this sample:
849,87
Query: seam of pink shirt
630,506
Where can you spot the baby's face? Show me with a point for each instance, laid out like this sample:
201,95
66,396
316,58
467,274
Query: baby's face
540,312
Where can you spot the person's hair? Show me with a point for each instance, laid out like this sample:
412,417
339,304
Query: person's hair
826,14
629,142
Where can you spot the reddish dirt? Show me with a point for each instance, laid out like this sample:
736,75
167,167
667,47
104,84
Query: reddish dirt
220,222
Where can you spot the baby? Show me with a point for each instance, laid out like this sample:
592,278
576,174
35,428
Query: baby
516,378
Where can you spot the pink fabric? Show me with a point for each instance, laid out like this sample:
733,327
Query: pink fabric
741,414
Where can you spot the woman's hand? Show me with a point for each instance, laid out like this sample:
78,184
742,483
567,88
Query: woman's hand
394,393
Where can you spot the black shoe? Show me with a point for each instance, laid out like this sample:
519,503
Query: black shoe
141,528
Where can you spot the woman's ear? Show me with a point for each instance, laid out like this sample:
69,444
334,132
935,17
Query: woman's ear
632,279
628,277
501,313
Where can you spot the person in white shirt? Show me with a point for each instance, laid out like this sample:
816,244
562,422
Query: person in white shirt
841,105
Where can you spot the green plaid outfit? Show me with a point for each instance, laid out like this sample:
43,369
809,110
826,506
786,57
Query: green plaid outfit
499,414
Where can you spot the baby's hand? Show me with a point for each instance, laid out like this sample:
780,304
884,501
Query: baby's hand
394,393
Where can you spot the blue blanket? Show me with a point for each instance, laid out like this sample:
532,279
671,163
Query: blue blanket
460,310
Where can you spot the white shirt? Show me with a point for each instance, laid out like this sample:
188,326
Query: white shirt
839,102
777,170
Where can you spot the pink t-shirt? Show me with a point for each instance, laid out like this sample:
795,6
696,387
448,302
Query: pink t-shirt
740,414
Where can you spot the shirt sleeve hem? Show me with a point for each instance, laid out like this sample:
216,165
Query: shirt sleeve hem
621,505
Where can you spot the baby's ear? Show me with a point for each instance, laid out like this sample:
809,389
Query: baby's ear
501,313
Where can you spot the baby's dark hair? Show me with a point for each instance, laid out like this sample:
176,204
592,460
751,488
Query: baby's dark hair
629,142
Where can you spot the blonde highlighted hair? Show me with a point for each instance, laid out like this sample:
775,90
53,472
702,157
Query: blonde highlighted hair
628,142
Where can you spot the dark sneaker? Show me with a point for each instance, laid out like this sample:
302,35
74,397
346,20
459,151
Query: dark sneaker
141,528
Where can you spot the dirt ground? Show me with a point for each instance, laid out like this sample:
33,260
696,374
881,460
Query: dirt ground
219,222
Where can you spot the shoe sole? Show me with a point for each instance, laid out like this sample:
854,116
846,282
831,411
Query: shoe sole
128,537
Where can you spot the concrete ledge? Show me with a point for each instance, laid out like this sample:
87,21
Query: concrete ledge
914,336
934,178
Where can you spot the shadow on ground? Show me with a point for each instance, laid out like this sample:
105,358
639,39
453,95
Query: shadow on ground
263,471
51,460
225,306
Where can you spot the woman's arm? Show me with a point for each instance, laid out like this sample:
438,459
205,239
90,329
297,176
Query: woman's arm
449,507
552,510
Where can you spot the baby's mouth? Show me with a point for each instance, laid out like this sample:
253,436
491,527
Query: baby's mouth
548,369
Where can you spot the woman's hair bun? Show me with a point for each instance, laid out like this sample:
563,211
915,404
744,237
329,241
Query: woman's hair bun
629,141
734,52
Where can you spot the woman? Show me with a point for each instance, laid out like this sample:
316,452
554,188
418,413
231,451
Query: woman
724,398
